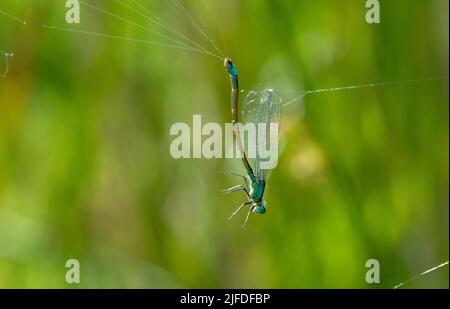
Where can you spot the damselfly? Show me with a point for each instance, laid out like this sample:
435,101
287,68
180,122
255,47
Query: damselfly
262,108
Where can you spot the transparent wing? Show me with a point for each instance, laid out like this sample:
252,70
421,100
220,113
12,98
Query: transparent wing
260,117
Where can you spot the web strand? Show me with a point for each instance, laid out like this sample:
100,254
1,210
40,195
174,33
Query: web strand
211,40
177,44
132,23
164,25
372,85
421,275
12,17
118,37
196,25
6,56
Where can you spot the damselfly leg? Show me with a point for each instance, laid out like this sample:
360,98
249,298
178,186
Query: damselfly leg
248,215
236,189
249,202
242,176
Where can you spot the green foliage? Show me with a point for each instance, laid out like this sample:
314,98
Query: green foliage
86,173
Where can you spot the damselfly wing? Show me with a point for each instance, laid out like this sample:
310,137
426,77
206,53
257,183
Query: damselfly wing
261,110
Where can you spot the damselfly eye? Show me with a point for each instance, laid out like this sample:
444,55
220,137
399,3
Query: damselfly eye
259,210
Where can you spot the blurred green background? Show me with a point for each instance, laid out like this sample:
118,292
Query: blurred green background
86,173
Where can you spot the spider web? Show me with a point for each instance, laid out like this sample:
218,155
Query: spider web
4,66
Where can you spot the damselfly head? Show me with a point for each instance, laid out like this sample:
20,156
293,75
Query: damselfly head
260,208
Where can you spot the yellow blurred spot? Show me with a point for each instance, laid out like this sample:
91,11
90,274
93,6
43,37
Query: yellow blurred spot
308,162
